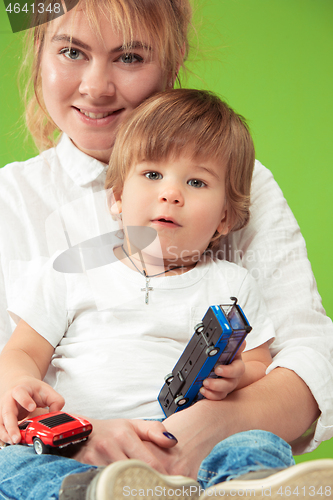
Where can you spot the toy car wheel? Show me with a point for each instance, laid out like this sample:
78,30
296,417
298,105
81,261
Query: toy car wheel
181,401
168,378
39,446
212,351
199,328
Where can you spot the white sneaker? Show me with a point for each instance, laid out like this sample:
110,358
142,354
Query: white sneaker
133,479
306,481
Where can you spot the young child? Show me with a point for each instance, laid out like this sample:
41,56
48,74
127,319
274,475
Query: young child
189,179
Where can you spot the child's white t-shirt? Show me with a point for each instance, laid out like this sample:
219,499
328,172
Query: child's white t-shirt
112,350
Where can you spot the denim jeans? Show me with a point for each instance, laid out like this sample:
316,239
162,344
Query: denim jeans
27,476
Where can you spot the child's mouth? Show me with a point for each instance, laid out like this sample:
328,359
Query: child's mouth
166,222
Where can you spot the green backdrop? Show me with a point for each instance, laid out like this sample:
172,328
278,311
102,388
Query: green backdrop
272,60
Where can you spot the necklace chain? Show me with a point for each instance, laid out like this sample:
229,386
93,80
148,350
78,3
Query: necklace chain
144,273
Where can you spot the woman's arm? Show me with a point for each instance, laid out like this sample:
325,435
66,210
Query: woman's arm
23,364
273,250
279,402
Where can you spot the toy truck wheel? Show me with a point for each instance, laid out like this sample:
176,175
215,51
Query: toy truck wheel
212,351
39,446
181,401
168,378
199,328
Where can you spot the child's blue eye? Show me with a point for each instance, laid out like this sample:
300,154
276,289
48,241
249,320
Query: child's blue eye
153,176
196,183
73,54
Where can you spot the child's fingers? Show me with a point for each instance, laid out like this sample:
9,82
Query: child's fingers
218,388
9,420
37,394
47,397
57,405
235,370
213,395
4,436
23,398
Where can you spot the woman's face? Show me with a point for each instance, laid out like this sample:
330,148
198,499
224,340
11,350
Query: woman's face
90,86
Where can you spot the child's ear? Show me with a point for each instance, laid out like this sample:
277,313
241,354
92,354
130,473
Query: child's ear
114,203
224,226
116,209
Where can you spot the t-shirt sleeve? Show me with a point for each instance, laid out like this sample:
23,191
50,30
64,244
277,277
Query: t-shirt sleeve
42,303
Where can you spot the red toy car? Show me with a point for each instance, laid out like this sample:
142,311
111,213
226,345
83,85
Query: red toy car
53,430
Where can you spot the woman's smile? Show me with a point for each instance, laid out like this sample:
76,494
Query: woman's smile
98,119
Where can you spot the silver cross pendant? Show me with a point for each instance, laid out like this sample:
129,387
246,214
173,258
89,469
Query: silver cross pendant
147,289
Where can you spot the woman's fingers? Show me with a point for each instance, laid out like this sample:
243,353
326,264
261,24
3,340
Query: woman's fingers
120,439
154,431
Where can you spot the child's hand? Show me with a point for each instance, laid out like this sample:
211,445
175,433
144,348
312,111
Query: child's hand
216,389
27,395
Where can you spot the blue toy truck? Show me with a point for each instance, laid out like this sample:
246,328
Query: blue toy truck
215,340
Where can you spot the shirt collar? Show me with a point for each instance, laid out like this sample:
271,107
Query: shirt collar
81,168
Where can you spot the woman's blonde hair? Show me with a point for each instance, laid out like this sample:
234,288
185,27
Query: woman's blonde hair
190,122
161,23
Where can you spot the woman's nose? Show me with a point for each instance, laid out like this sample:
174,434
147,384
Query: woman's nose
97,81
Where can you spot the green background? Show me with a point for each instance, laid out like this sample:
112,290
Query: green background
272,60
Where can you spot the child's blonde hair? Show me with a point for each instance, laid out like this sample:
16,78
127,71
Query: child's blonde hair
161,23
194,122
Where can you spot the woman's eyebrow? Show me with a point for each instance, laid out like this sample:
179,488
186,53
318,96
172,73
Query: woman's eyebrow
75,41
70,40
134,45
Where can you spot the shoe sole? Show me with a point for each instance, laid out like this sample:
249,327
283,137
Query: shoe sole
306,481
133,479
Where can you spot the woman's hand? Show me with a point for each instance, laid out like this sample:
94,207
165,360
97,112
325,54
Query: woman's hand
16,403
198,429
119,439
216,389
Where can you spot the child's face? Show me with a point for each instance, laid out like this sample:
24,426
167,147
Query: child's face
182,199
89,89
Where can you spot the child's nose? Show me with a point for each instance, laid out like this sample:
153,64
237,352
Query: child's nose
97,81
172,195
